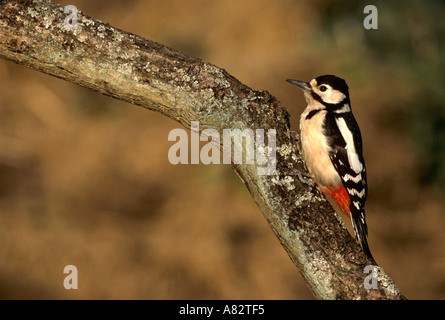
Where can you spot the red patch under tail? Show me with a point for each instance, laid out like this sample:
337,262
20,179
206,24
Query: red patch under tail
340,196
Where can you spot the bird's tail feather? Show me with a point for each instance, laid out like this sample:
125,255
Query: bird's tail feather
361,231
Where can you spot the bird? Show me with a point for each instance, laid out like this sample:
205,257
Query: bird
332,148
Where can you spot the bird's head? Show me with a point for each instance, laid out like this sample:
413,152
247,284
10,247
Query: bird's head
327,89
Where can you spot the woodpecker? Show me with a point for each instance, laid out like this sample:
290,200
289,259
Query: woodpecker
331,146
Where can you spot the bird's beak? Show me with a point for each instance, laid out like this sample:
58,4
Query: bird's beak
301,84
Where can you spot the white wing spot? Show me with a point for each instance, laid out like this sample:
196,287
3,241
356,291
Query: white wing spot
355,179
353,158
354,191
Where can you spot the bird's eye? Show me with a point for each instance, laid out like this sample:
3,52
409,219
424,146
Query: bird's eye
323,88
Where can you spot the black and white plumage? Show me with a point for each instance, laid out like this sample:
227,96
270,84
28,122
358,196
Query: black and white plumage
332,148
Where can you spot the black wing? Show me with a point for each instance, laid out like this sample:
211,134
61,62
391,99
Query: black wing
351,168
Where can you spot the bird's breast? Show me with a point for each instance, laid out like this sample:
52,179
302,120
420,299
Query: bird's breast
315,148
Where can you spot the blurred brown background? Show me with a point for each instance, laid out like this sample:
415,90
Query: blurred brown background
85,179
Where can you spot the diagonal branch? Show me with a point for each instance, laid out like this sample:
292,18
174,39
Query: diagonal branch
128,67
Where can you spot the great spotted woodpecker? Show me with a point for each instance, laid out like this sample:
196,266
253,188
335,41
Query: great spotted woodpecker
332,148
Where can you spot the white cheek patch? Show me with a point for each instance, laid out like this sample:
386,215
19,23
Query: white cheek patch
332,96
329,96
353,158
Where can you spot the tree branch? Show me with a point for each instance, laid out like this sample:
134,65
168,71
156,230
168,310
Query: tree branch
128,67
